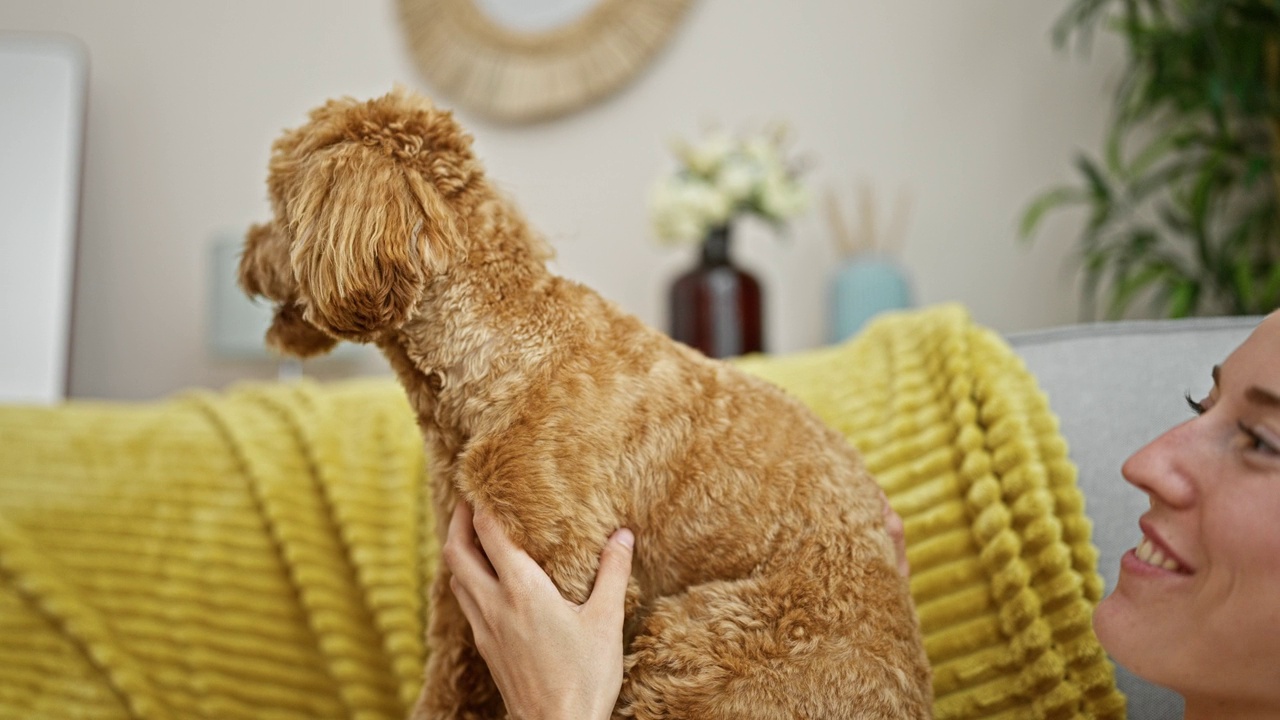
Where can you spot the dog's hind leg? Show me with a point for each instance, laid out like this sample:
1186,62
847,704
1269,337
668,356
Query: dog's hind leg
764,649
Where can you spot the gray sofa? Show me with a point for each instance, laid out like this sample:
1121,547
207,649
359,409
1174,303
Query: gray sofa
1114,387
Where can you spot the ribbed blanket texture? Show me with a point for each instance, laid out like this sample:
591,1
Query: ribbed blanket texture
264,552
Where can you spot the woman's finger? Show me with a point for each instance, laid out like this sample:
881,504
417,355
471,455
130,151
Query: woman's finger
461,555
897,533
470,609
509,560
610,591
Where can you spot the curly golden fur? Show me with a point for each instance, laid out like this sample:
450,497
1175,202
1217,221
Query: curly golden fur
764,585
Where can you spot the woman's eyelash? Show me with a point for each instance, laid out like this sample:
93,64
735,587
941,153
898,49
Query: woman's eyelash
1196,407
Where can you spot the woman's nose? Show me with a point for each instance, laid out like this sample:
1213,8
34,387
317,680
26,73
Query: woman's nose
1167,468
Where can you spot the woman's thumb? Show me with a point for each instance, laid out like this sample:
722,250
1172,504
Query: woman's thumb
615,570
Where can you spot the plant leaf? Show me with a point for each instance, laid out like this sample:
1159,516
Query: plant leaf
1096,180
1243,282
1050,200
1270,297
1130,285
1184,299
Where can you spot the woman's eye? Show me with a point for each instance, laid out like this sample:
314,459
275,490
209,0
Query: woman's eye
1196,407
1258,443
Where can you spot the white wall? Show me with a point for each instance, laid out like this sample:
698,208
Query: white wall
966,104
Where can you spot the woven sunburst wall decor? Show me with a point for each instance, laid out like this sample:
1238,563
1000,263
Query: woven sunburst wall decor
515,76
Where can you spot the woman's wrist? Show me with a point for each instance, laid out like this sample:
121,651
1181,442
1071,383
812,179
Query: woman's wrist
567,705
574,710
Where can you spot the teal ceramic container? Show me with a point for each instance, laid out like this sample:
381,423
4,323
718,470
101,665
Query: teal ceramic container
865,286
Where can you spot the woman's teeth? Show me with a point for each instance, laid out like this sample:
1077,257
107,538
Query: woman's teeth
1148,553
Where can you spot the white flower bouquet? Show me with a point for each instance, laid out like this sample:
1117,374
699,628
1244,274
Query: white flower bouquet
722,177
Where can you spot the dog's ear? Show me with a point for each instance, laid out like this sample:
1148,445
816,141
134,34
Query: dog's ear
265,272
291,334
368,231
264,264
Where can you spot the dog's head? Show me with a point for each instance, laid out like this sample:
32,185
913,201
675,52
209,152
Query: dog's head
362,200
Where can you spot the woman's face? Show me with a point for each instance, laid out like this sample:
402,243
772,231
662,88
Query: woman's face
1197,607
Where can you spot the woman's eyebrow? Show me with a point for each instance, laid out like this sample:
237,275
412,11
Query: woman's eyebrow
1259,396
1254,394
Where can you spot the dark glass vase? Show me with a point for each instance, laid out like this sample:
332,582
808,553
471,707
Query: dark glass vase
715,307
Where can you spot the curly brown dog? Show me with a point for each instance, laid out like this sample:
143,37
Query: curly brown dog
764,585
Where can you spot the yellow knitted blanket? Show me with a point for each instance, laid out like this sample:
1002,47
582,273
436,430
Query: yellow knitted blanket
263,553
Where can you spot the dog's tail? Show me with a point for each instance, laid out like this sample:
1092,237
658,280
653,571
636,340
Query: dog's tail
364,191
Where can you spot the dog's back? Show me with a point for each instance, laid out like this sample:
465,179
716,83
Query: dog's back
763,576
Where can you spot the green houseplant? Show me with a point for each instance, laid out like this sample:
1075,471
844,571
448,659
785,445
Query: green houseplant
1182,202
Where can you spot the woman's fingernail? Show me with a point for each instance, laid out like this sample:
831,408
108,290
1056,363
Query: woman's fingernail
625,537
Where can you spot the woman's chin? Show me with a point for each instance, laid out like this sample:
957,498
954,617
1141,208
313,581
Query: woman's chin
1119,626
1132,635
1105,621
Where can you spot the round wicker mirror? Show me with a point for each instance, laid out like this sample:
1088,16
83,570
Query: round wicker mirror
524,61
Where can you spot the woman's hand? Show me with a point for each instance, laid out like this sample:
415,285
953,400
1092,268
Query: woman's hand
549,657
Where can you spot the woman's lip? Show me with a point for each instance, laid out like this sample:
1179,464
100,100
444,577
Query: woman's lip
1154,537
